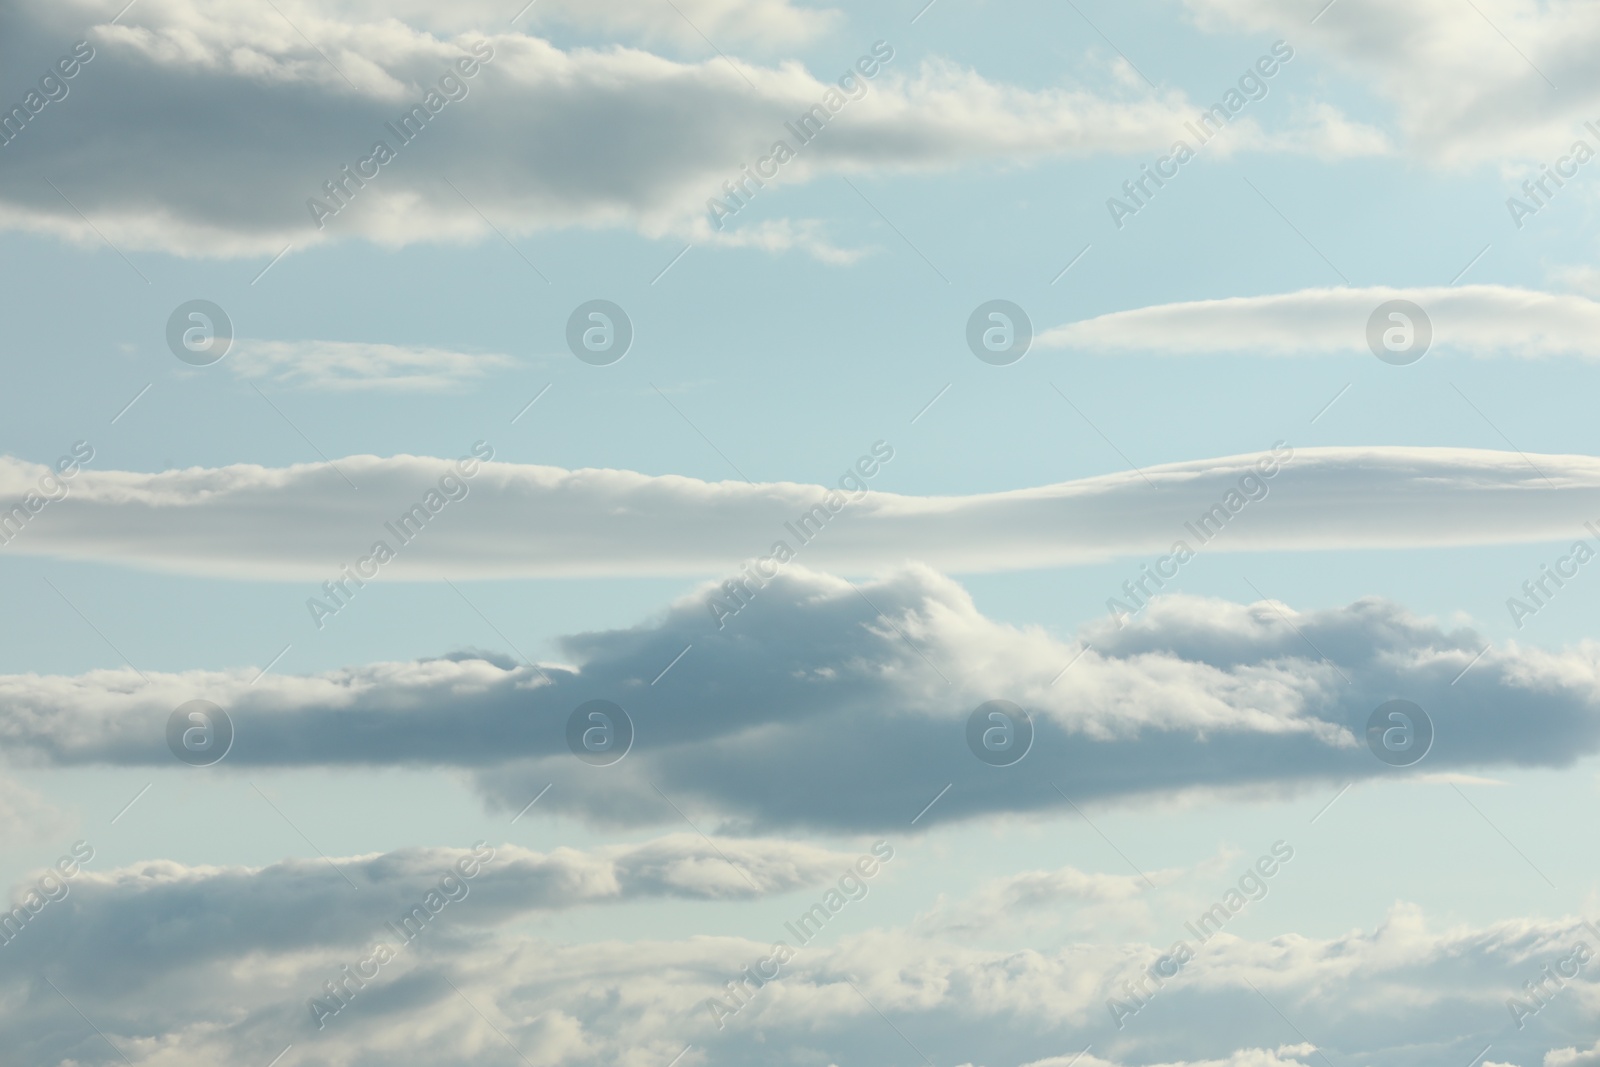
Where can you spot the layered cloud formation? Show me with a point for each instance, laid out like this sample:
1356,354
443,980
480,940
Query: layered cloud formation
284,98
128,918
226,965
830,701
835,705
277,938
520,520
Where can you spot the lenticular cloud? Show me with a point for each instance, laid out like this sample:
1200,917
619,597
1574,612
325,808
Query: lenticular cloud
525,521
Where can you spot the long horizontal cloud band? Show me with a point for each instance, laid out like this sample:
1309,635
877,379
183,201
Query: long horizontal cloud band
1383,996
1476,319
809,708
315,904
305,522
558,137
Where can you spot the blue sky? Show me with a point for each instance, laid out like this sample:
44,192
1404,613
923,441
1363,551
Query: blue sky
1226,317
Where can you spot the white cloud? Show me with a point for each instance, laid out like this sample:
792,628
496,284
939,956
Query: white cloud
1395,994
1479,320
1322,130
359,365
1579,277
759,23
298,522
543,138
1036,899
1573,1057
1283,1056
1468,83
344,901
1450,778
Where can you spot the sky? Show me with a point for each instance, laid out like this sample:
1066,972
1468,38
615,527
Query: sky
687,533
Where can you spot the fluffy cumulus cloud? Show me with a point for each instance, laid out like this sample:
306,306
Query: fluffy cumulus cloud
280,939
1487,81
810,708
1574,1057
419,518
1480,320
535,136
236,965
132,917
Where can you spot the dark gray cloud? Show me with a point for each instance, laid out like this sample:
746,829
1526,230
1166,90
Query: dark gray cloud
108,926
809,707
544,137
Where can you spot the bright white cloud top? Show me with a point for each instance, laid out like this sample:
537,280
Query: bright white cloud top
1477,320
315,980
435,520
282,117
